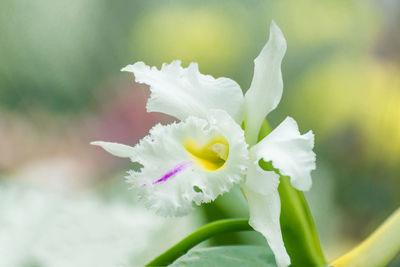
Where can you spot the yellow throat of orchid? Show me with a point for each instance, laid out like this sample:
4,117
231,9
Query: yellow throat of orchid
210,156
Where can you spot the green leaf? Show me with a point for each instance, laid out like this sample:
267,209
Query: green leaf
227,256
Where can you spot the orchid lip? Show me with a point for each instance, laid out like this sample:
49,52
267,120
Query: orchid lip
212,155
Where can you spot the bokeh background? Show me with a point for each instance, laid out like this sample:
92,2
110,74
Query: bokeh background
60,88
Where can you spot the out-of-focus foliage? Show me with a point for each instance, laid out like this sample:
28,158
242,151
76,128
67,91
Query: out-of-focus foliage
363,95
312,23
214,39
48,52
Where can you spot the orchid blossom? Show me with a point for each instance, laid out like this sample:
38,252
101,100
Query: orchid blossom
207,152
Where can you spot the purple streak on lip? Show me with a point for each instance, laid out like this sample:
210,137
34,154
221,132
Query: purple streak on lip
178,168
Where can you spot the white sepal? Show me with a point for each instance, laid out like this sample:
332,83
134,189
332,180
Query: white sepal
183,92
265,90
265,208
118,150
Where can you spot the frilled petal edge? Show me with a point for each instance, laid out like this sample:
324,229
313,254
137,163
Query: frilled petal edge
290,152
183,92
185,163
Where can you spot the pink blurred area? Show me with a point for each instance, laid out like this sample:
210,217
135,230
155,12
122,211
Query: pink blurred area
54,151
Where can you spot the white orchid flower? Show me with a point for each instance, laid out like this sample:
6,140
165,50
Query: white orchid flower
206,153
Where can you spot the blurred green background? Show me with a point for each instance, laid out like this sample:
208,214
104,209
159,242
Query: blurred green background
60,88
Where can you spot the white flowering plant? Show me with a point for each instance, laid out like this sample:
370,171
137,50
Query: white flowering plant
222,139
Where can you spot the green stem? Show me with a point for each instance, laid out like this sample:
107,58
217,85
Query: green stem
199,236
298,229
378,249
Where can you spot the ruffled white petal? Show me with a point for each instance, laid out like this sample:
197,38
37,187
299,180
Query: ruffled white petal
265,90
264,211
183,92
115,149
290,152
171,179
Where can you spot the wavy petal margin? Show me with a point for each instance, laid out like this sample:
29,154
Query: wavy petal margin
265,91
183,92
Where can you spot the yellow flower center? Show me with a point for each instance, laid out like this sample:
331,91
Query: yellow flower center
211,155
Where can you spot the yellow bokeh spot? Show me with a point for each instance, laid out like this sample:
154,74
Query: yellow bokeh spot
353,93
200,35
211,155
328,22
